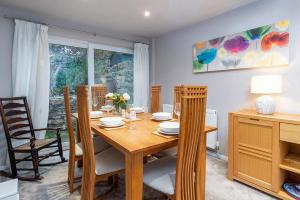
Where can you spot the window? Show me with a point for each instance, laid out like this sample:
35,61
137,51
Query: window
68,66
115,70
75,63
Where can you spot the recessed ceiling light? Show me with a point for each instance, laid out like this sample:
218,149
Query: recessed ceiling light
147,13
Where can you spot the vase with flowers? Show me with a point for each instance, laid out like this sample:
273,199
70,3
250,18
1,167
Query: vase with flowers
118,100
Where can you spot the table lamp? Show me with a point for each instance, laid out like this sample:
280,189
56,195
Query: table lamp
266,85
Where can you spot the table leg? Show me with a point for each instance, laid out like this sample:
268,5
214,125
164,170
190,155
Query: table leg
134,176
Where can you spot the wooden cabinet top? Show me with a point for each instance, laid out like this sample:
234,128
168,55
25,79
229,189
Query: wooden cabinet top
279,117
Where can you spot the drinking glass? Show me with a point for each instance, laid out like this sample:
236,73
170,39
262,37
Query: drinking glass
109,105
177,109
95,102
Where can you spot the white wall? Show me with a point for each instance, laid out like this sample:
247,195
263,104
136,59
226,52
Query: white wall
229,91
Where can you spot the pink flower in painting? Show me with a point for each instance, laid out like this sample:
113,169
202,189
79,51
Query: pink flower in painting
236,44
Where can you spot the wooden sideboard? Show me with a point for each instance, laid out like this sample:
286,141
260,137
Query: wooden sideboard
264,150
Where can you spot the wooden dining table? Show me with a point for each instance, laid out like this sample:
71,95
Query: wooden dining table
136,140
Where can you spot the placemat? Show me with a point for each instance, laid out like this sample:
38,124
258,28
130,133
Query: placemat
165,136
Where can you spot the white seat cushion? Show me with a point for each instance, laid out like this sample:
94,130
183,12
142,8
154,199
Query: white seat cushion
78,149
160,175
109,160
99,145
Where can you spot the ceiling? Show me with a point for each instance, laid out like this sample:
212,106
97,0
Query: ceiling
127,16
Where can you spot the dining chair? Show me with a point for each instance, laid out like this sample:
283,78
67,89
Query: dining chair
98,91
18,126
101,166
155,98
75,152
176,99
183,178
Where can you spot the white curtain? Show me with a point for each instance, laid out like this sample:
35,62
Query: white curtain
31,69
141,75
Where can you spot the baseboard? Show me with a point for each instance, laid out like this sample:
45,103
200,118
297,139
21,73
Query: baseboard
217,155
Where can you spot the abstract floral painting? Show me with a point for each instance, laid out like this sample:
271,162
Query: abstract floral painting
265,46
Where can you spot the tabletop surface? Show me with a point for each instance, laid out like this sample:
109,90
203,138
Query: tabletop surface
137,139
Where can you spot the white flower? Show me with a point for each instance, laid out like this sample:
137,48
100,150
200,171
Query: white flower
109,95
126,96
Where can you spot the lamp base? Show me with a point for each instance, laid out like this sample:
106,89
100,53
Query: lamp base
265,105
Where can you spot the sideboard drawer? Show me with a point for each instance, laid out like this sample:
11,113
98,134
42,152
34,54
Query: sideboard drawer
290,133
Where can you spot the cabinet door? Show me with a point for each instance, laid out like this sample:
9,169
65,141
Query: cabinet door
253,150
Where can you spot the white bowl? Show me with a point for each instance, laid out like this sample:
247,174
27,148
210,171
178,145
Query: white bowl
111,121
162,116
169,127
96,114
112,126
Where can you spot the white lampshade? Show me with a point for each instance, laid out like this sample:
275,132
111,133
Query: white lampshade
268,84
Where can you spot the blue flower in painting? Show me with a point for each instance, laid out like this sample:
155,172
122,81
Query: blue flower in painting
207,56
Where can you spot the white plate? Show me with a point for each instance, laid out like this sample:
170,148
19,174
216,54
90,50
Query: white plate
162,116
167,133
112,126
111,121
138,109
169,127
96,114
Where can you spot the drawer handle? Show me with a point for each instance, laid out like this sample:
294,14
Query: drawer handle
254,119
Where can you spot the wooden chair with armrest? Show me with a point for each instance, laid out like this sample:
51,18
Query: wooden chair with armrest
155,98
75,152
17,124
183,178
101,166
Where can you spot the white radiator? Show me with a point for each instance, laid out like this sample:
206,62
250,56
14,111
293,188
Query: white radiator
211,120
168,108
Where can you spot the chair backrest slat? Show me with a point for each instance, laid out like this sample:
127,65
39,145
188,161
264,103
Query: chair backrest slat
18,126
13,105
88,175
19,133
17,119
15,112
191,160
99,91
155,98
69,120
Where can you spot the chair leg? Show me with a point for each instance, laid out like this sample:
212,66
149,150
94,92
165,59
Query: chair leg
60,149
71,174
13,166
35,163
116,181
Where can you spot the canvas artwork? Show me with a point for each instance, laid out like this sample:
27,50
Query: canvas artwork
265,46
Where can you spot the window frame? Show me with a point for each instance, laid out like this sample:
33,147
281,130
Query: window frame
90,46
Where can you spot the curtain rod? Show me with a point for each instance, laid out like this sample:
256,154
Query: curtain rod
73,29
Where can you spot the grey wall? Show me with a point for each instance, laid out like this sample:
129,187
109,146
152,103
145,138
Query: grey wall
229,91
6,38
